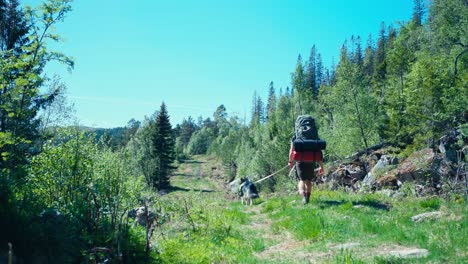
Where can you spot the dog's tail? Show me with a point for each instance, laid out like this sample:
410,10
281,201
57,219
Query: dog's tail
253,195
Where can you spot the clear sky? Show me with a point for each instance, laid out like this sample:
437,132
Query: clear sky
131,55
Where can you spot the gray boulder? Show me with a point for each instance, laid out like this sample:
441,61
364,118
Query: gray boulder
426,216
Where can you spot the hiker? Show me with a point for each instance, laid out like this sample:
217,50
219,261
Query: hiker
306,150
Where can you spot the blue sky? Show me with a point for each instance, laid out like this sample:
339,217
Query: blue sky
195,55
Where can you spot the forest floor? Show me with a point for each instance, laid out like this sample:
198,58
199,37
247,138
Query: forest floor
212,226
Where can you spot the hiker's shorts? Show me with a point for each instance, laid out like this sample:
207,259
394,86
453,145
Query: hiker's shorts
305,170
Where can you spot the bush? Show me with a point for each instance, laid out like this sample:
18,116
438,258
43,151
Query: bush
76,195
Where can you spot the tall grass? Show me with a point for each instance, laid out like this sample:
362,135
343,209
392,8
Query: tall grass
373,220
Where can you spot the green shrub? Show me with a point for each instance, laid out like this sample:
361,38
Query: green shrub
432,203
86,187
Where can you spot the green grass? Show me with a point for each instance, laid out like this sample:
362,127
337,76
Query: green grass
205,227
218,237
373,220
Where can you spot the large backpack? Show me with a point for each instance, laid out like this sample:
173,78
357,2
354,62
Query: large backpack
305,127
307,145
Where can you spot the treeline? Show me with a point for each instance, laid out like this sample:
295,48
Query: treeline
405,89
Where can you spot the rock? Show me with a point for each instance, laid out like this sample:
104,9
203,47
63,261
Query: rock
347,174
372,178
448,145
163,192
387,192
425,168
416,166
388,180
346,246
425,216
369,180
409,253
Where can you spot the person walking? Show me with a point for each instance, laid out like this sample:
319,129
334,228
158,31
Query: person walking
306,150
305,172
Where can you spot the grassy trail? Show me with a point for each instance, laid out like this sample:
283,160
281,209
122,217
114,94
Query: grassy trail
209,226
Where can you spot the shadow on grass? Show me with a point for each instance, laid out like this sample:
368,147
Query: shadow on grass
324,204
374,204
177,188
369,203
193,161
181,174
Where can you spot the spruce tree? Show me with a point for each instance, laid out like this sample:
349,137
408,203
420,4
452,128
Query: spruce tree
357,55
418,12
24,35
368,61
319,72
254,114
186,130
311,77
299,90
332,79
163,149
260,110
13,27
380,66
271,104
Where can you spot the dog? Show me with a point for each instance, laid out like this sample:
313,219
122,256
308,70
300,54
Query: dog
141,217
247,191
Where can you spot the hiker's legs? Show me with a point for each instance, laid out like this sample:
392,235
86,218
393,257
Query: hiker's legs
308,189
305,174
304,188
301,187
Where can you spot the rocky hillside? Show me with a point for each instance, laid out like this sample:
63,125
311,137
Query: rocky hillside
428,171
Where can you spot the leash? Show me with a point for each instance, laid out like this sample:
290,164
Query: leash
271,175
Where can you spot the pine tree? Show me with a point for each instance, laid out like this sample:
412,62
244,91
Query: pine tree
13,27
418,12
299,91
163,149
392,34
311,77
254,114
187,128
271,104
319,73
357,54
447,20
368,61
343,54
23,56
354,104
260,110
332,80
380,66
219,117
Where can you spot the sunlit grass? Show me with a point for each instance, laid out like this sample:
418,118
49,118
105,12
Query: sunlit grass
205,227
373,220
